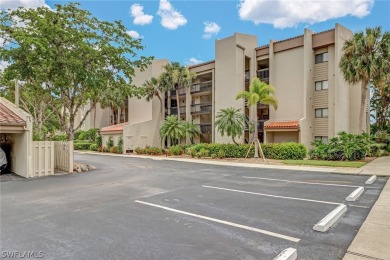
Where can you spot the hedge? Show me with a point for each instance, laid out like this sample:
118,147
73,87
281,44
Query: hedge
82,146
280,151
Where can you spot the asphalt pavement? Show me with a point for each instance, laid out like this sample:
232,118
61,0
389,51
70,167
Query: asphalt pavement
131,208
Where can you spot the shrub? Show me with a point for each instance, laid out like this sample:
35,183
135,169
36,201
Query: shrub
176,150
284,151
120,145
82,141
213,156
100,149
139,150
99,140
198,155
152,150
81,146
204,152
110,143
221,154
61,137
93,147
342,147
114,149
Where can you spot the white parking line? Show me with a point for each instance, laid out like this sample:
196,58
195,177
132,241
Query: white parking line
303,182
269,195
293,239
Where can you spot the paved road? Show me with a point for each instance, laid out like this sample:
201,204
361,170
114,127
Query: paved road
183,211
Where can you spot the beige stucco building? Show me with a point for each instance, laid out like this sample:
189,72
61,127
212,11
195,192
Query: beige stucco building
314,101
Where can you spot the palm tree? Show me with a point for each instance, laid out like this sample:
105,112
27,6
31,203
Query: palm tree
174,77
153,89
190,130
230,121
365,58
171,129
259,92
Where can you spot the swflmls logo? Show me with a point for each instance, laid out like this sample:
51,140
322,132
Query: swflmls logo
22,254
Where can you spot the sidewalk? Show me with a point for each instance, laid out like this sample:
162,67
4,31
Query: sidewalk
237,164
373,239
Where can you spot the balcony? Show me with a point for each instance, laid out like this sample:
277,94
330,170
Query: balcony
182,92
205,129
174,110
198,109
201,87
263,75
259,105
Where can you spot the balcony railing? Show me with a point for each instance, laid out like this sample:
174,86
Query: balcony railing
258,105
201,108
201,87
174,110
205,128
263,75
182,92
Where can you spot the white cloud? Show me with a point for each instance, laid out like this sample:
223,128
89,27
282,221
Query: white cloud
210,29
14,4
134,34
170,18
193,61
290,13
140,18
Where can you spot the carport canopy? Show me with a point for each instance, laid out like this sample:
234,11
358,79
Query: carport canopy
10,122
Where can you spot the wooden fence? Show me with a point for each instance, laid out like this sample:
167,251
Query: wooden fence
43,158
63,160
50,156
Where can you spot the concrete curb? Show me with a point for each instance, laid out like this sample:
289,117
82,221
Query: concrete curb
355,194
287,254
234,164
330,219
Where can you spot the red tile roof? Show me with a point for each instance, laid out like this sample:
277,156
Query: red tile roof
113,128
282,125
8,117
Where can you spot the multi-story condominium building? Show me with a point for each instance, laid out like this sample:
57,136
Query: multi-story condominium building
314,101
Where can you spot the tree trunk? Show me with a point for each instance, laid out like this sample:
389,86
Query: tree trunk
161,108
363,98
234,141
177,103
94,116
256,136
118,116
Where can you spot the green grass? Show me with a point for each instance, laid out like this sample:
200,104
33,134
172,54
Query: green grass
325,163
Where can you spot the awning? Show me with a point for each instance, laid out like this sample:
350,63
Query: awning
280,125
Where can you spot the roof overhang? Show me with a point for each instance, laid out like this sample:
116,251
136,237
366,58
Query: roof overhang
292,125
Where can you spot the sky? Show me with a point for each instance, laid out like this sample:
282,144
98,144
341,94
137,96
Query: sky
186,30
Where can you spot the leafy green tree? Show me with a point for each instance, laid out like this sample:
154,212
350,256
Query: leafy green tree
70,54
190,130
172,130
259,92
366,57
230,121
380,103
174,77
153,89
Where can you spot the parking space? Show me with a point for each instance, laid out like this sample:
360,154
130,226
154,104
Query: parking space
147,209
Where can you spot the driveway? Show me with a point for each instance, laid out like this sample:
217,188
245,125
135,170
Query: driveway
131,208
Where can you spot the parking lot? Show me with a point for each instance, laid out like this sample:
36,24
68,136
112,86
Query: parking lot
150,209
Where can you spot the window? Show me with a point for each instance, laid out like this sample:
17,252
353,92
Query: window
323,139
321,113
322,57
321,85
